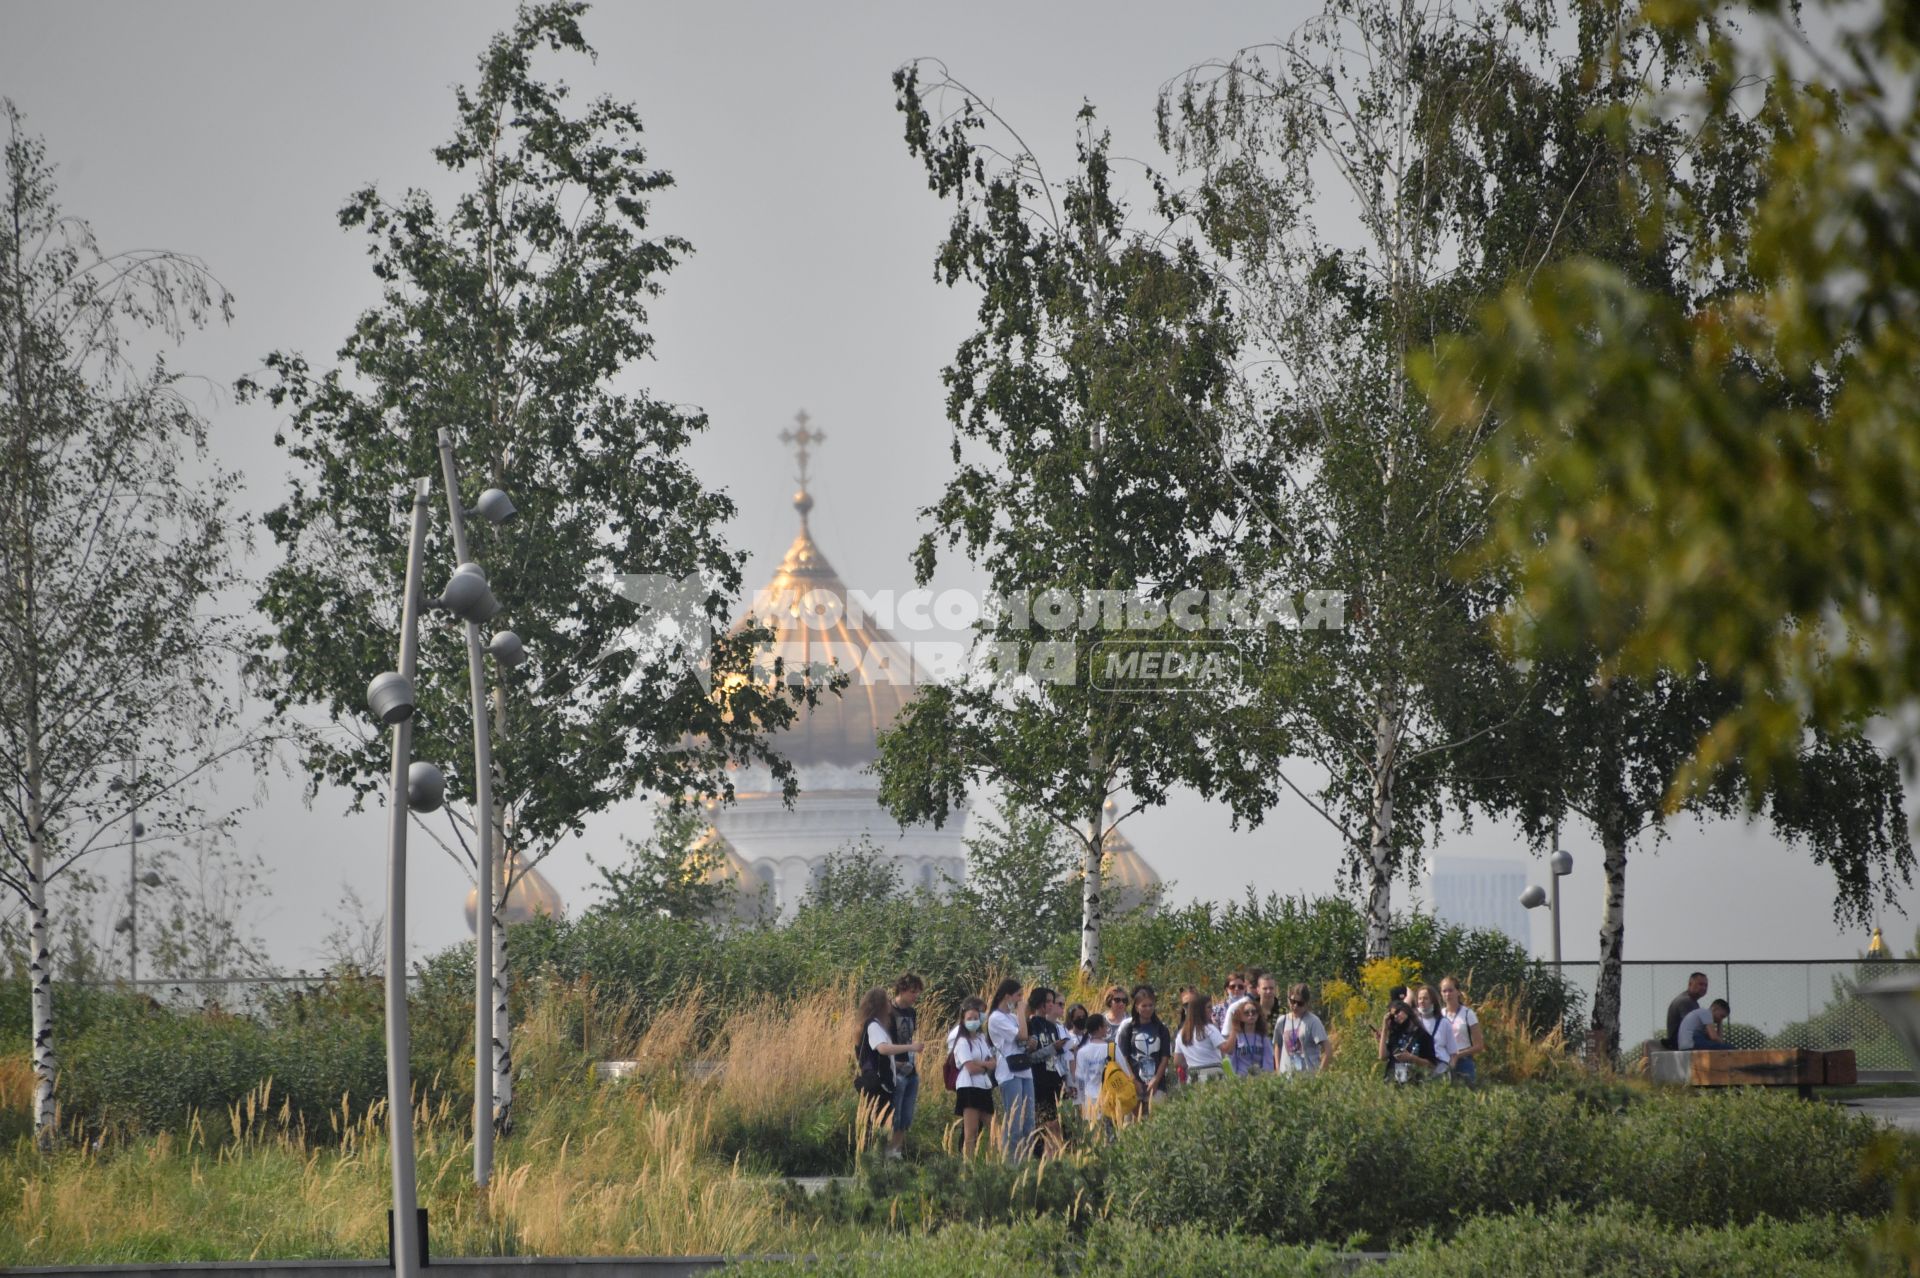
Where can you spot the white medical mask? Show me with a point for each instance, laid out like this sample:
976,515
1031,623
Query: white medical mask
973,1024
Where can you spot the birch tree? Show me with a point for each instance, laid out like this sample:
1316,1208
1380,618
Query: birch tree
117,541
513,314
1079,477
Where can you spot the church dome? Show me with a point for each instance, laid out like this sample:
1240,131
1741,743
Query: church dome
1128,880
805,605
530,894
715,859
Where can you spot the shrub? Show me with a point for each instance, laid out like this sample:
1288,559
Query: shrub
1622,1243
946,1190
1328,1158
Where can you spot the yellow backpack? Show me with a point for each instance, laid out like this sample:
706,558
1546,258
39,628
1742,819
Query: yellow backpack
1119,1098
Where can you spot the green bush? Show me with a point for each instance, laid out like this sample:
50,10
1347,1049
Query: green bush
1047,1248
945,1190
1560,1244
1332,1158
1620,1243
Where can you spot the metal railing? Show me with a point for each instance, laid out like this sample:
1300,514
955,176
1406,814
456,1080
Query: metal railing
234,995
1775,1003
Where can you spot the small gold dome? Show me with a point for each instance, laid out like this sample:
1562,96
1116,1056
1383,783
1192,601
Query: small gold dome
716,861
1877,947
530,894
1127,880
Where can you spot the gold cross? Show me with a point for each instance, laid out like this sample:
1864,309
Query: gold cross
802,439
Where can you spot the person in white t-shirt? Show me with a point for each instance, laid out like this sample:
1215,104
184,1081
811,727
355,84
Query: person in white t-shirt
1090,1068
1013,1072
1464,1029
1299,1039
973,1058
1199,1041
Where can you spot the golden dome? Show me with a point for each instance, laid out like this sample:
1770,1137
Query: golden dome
1877,947
805,605
530,894
1127,881
714,859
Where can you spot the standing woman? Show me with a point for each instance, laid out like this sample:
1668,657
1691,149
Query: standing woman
1465,1026
1200,1042
1014,1071
1426,1006
873,1051
1300,1044
1406,1049
1249,1043
973,1060
1049,1069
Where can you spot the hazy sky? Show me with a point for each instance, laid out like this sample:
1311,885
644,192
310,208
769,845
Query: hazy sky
234,131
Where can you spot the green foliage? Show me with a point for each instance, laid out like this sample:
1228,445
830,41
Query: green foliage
153,1072
664,874
1623,1243
1771,391
943,1190
1338,1157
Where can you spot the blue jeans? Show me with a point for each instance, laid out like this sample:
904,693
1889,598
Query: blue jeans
1708,1045
1016,1095
906,1099
1462,1069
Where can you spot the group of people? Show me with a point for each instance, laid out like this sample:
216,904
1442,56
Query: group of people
1693,1028
1117,1061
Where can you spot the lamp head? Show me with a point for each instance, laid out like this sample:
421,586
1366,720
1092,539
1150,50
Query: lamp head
506,648
151,878
1561,862
495,507
390,697
138,829
467,595
426,787
1534,897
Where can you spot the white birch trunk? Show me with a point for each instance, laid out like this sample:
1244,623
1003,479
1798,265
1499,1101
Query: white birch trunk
1613,939
502,1029
1092,903
40,978
1380,838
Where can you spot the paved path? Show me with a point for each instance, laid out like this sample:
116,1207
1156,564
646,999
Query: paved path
1902,1112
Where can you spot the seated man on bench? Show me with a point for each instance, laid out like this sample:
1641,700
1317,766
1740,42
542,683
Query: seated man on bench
1700,1031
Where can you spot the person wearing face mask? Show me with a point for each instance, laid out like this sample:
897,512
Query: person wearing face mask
1013,1074
972,1053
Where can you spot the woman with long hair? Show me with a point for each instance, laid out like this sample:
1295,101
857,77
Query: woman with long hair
1463,1027
1199,1042
1013,1072
1249,1045
973,1061
1426,1006
873,1049
1406,1049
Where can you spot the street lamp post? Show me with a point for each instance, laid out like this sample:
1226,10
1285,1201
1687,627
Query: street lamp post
390,697
495,506
131,923
1561,865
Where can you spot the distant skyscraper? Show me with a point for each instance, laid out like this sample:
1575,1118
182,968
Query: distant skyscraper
1475,891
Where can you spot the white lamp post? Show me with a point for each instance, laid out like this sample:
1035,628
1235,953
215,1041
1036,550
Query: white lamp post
1561,863
468,597
415,786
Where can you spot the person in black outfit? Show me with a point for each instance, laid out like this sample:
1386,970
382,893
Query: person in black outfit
1406,1049
1144,1047
1048,1077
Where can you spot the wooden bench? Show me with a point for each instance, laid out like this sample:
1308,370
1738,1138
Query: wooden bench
1796,1067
